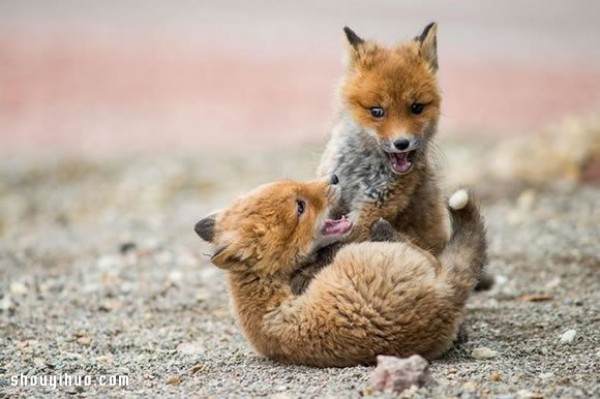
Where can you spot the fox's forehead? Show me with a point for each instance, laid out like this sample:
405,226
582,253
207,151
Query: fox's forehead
274,203
264,202
393,79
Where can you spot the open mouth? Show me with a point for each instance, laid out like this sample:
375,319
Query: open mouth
401,162
336,226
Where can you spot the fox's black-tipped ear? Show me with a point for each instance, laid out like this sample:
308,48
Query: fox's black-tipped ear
354,44
353,39
428,42
206,228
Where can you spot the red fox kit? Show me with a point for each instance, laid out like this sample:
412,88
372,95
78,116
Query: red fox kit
373,298
389,107
388,114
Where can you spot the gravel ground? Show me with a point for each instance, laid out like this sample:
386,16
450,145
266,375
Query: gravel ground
101,274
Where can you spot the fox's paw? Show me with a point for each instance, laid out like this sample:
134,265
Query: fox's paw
383,231
459,199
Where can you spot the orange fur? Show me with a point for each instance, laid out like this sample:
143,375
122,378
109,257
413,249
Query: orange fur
374,298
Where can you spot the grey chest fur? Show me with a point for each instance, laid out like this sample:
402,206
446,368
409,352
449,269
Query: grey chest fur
363,170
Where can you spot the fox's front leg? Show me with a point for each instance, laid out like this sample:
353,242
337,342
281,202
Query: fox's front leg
364,219
383,231
425,219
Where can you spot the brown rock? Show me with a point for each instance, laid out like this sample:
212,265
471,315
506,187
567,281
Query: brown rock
396,375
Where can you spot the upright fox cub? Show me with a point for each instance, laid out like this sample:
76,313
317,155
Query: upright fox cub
374,298
388,113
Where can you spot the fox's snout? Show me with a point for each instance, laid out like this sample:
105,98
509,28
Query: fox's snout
400,144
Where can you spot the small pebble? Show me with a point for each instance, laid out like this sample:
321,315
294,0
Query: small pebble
190,348
546,376
6,304
484,353
500,279
127,247
174,380
470,386
107,359
17,288
524,394
567,337
202,295
175,276
107,262
555,282
85,341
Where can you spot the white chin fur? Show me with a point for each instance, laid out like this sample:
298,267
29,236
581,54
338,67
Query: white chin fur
459,199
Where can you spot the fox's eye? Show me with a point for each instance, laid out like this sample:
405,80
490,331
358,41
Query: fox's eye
377,112
300,206
416,108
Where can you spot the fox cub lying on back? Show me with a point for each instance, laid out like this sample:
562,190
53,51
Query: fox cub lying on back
373,298
380,146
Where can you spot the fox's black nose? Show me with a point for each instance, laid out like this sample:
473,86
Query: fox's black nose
402,144
334,179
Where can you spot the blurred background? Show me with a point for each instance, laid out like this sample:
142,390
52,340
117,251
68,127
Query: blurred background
126,76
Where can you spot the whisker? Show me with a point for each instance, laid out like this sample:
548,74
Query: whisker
437,156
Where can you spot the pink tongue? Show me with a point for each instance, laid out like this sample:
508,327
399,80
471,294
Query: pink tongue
339,226
400,162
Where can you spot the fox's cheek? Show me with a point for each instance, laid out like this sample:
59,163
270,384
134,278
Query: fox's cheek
373,133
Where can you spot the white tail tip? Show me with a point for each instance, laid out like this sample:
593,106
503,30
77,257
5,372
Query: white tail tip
459,199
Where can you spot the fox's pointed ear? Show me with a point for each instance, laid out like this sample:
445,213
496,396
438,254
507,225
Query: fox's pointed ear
206,227
353,44
353,39
428,45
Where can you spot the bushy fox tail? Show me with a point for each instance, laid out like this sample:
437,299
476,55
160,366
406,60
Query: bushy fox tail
465,254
